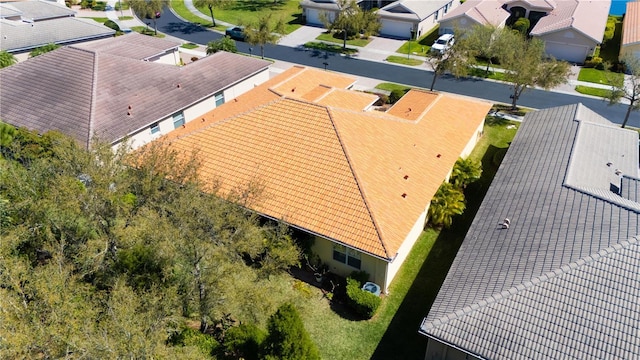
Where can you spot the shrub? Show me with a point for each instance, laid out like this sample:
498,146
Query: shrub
244,341
594,62
363,302
287,337
99,6
112,25
361,275
395,96
522,25
384,98
190,337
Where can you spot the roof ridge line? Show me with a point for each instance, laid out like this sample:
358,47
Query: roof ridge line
355,177
544,277
382,115
94,95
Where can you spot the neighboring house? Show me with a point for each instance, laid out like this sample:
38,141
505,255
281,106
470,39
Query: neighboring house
570,29
560,278
139,47
84,92
358,179
27,25
400,18
406,18
631,30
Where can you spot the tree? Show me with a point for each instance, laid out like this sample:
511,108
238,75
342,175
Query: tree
264,32
526,65
630,87
223,44
7,59
522,25
43,49
210,4
149,9
456,60
288,339
485,42
465,171
351,21
446,203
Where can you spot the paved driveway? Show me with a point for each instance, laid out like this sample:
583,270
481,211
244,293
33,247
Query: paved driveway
301,36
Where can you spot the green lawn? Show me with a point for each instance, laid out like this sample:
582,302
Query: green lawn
101,20
180,9
146,31
249,11
392,332
588,90
600,76
336,38
189,45
330,47
422,46
125,17
392,86
480,72
404,60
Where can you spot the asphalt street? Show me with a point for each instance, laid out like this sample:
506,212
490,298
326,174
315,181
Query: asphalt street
419,77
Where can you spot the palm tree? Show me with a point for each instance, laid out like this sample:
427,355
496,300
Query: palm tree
43,49
7,59
446,203
210,4
264,32
464,172
149,9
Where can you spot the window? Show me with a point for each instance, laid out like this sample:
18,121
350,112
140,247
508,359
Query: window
178,120
155,127
219,99
435,15
347,256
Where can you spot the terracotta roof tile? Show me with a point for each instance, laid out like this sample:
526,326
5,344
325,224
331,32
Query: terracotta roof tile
334,171
631,24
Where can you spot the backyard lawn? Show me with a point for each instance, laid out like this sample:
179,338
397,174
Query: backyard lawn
393,331
249,11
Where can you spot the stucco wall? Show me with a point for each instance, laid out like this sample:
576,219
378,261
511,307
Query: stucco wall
171,58
568,40
439,351
406,247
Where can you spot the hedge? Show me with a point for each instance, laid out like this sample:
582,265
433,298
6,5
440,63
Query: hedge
363,302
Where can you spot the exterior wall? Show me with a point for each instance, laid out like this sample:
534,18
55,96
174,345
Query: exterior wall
171,58
571,41
633,49
376,268
473,141
406,247
205,105
312,16
439,351
459,23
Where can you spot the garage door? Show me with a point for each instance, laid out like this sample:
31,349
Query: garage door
568,52
397,29
313,17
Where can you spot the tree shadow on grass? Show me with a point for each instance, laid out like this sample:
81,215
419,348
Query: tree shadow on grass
401,339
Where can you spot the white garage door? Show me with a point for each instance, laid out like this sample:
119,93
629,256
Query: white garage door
313,17
568,52
397,29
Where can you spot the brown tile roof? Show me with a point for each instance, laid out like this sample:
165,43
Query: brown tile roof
82,93
133,46
361,178
631,24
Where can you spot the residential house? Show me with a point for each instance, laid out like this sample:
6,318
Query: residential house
26,25
630,42
139,47
570,29
549,268
359,180
400,18
114,94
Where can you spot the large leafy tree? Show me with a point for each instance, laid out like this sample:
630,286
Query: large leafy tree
265,31
223,44
446,203
456,60
43,49
210,4
7,59
288,339
526,65
630,87
351,21
486,42
149,9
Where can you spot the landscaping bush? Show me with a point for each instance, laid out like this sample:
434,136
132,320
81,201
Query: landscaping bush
191,337
396,95
522,25
288,339
594,62
244,341
112,25
361,275
99,6
363,302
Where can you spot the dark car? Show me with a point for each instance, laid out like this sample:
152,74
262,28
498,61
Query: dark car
235,32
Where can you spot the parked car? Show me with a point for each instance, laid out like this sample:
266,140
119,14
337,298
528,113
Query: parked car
235,32
444,42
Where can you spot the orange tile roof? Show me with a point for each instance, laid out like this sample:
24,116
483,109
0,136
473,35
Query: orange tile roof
336,171
631,24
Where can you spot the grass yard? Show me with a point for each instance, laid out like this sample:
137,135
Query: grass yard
392,333
480,72
422,46
337,38
189,45
146,31
404,60
320,46
101,20
249,11
600,76
588,90
183,12
392,86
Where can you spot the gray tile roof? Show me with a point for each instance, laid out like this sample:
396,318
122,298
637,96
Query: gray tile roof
20,36
412,9
35,10
132,45
558,282
82,93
